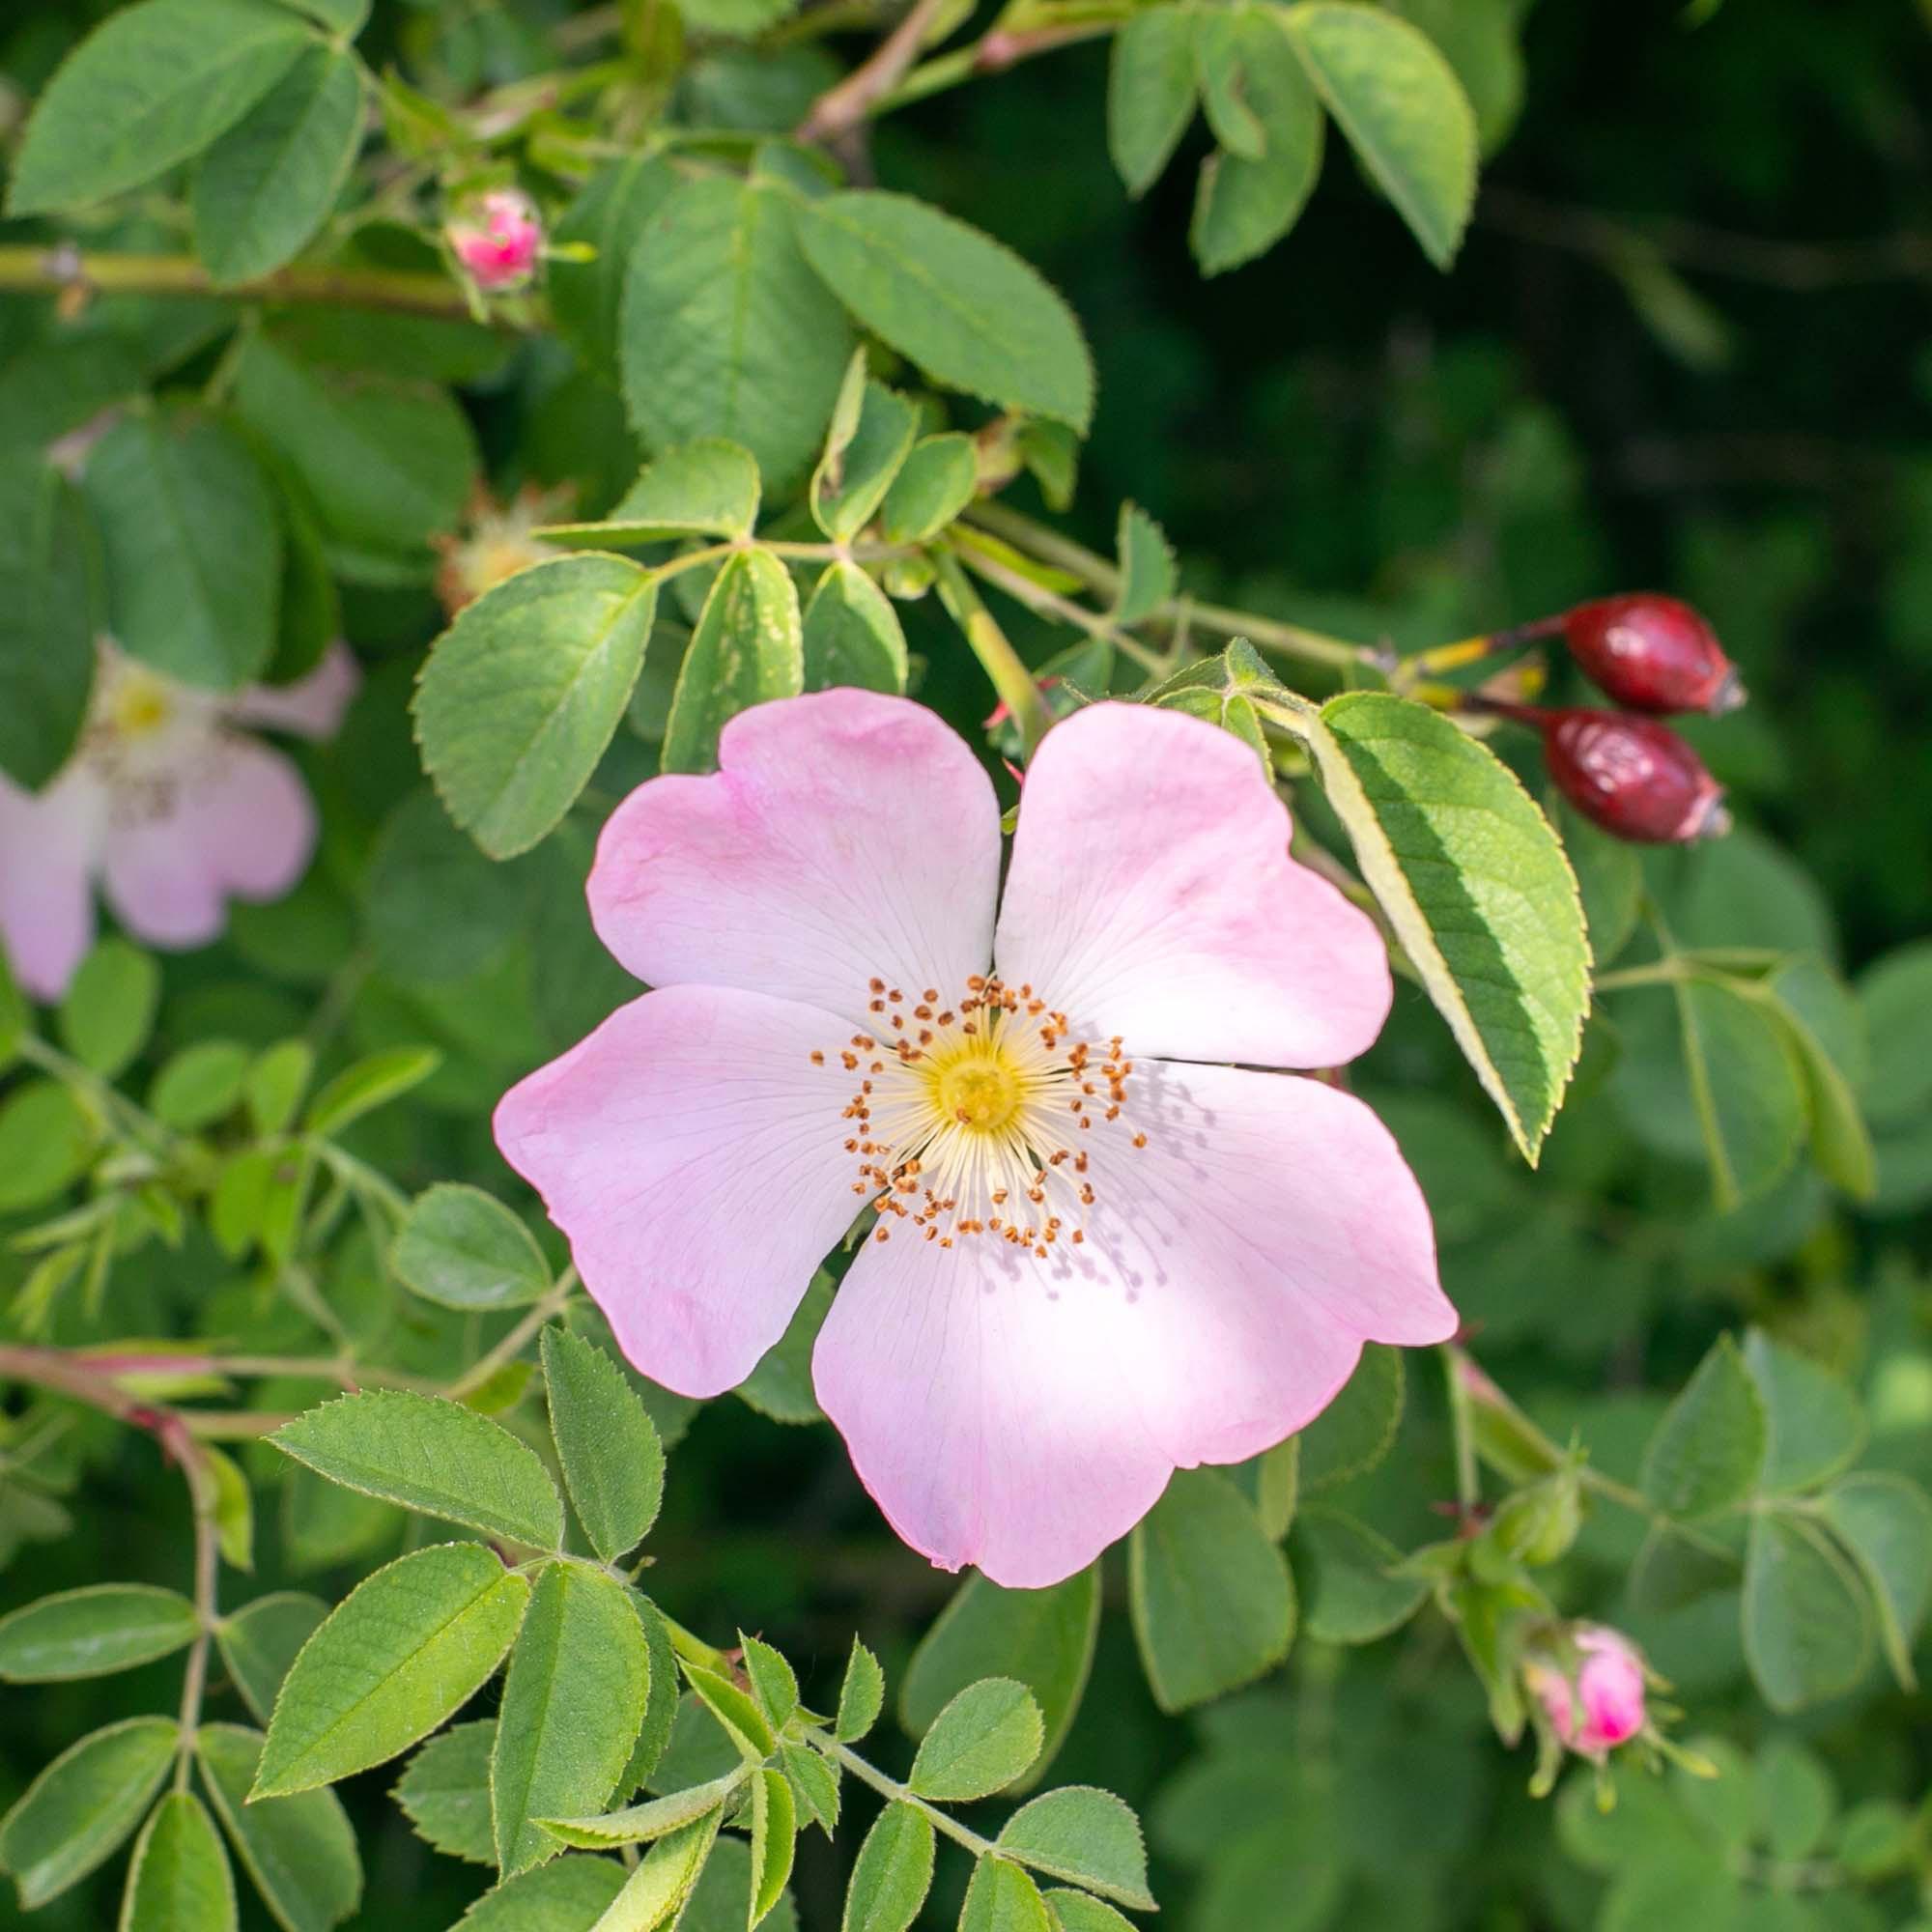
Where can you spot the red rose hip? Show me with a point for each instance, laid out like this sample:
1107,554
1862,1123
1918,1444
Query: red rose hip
1633,776
1653,654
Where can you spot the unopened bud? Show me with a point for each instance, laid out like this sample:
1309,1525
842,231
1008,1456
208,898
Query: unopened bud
498,238
1633,776
1594,1697
1539,1524
1653,654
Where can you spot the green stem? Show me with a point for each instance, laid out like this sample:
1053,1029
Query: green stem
207,1576
512,1345
900,1793
1469,1478
692,1647
1009,676
1045,603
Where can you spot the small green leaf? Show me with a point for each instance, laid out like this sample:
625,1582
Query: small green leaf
463,1249
709,488
1148,576
1353,1434
1402,109
570,1894
147,90
640,1824
1708,1450
665,1691
1885,1523
1149,92
445,1792
79,1810
200,1085
773,1839
261,1640
109,1009
1807,1628
437,1457
1218,73
1085,1835
814,1781
573,1698
46,620
1795,1799
1826,1032
522,694
1003,1898
264,187
967,310
93,1632
1042,1638
868,442
748,647
370,1084
938,479
1814,1426
1345,1577
774,1683
178,1880
404,1650
743,1721
276,1083
1212,1603
613,1463
1895,997
609,216
46,1139
193,546
861,1697
300,1852
982,1741
852,635
1671,1572
656,1891
892,1874
1076,1912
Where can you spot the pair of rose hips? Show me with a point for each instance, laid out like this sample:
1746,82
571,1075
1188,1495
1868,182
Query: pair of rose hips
1624,770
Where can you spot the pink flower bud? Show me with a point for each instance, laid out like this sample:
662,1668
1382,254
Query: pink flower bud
1602,1704
497,239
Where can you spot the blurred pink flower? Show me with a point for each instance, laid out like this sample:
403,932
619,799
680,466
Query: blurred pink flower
1099,1254
1604,1706
498,238
173,809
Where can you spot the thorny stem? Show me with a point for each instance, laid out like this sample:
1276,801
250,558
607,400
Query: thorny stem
855,98
993,52
891,1788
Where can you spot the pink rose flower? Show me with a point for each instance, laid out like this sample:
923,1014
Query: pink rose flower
497,239
171,807
1604,1706
1101,1254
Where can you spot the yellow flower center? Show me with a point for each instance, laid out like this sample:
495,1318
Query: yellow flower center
138,704
978,1086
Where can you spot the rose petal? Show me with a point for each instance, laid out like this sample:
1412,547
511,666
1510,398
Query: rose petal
1022,1414
48,845
1151,896
694,1156
312,707
847,837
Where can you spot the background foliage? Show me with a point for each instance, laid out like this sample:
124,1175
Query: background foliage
1682,344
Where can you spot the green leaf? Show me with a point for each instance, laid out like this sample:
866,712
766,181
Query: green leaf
965,309
1795,1799
93,1632
748,647
1814,1426
148,89
193,544
300,1852
738,20
860,1696
370,1084
726,332
1214,1607
1708,1450
1353,1434
568,1895
640,1824
200,1085
463,1249
1041,1638
1244,203
743,1721
573,1701
1402,109
892,1874
1003,1898
708,488
1149,92
852,634
613,1463
264,187
79,1810
814,1781
346,18
523,691
404,1650
1671,1572
46,620
1148,576
983,1739
46,1139
938,479
259,1641
178,1880
276,1084
1474,883
871,435
611,215
656,1891
387,463
445,1792
1076,1912
1895,996
1826,1032
1885,1523
665,1691
430,1455
781,1385
1345,1578
1807,1632
1217,72
773,1839
1087,1836
774,1681
109,1009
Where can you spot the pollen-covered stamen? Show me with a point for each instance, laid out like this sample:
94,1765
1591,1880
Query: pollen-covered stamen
969,1119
